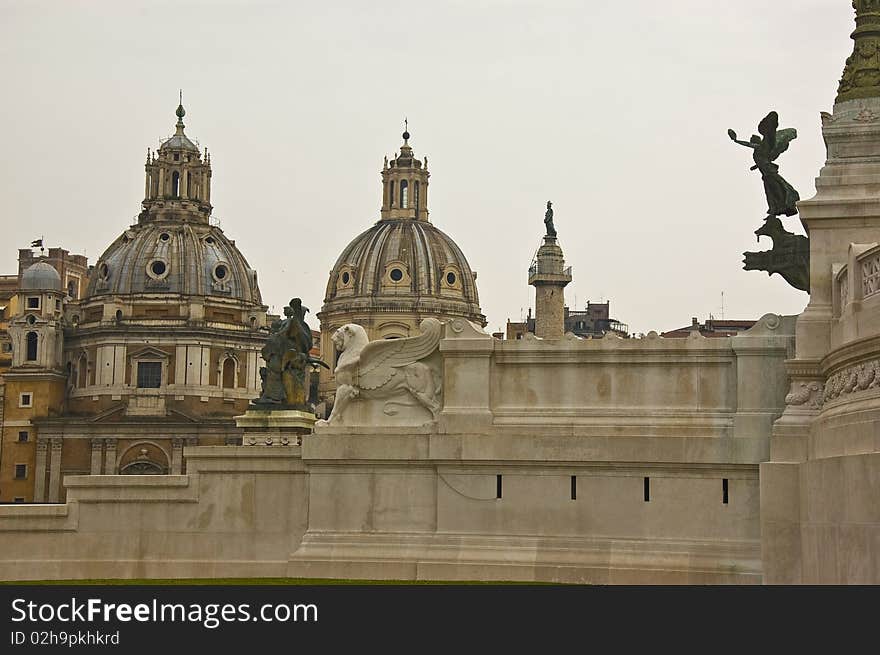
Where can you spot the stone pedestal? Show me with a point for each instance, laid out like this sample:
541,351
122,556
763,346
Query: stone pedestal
275,427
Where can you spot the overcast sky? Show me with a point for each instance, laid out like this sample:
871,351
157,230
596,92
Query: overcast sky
615,110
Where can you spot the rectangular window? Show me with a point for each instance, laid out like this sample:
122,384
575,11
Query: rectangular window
498,486
22,436
18,499
33,302
149,375
574,487
21,471
26,400
647,485
724,491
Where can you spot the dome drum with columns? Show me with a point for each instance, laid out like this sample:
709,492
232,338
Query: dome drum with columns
401,270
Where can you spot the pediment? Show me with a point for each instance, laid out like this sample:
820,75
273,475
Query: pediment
148,352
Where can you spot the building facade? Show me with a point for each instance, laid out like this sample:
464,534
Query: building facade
158,348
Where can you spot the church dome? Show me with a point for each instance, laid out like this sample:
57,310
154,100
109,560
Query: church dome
174,257
40,277
404,259
403,268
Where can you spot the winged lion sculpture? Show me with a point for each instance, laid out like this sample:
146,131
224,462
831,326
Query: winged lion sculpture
386,369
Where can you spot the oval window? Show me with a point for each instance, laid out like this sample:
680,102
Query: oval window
164,236
220,271
210,241
396,274
158,267
105,271
31,319
346,277
450,278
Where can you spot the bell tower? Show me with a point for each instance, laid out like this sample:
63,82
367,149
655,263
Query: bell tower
177,184
405,185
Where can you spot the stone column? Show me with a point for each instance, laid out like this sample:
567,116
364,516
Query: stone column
176,456
40,472
55,471
97,453
549,277
110,457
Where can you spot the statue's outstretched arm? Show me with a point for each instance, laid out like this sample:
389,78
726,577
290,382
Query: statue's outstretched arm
747,144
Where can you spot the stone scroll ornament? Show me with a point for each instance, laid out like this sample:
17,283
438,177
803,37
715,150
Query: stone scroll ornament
388,369
790,255
288,360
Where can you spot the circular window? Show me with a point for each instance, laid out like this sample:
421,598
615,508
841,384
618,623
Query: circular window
450,278
210,241
396,274
105,271
220,271
31,319
346,277
164,236
158,267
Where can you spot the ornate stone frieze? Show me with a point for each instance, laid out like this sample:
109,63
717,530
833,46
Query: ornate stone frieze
853,379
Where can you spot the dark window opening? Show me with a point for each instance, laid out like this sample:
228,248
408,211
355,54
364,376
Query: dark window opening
118,314
33,303
18,499
647,490
158,267
229,373
391,199
498,486
26,400
724,491
175,184
164,236
149,375
416,195
21,471
71,289
450,278
345,277
31,354
220,271
23,436
574,487
404,194
396,274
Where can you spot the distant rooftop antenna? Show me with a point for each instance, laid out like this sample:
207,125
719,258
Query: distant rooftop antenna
722,305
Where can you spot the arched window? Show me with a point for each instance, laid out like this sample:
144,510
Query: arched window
416,196
175,185
228,381
31,346
404,194
82,369
391,197
189,188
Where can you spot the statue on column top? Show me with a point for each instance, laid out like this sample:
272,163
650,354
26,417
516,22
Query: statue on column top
548,220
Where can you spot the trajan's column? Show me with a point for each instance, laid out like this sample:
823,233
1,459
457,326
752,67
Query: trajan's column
549,276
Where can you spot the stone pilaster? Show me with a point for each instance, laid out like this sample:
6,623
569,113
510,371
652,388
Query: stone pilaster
55,471
176,456
40,471
97,455
110,457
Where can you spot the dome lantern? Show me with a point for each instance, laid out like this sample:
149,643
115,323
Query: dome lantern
177,185
405,184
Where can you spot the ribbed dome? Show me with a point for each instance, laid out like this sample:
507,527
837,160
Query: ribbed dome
40,277
174,257
403,260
